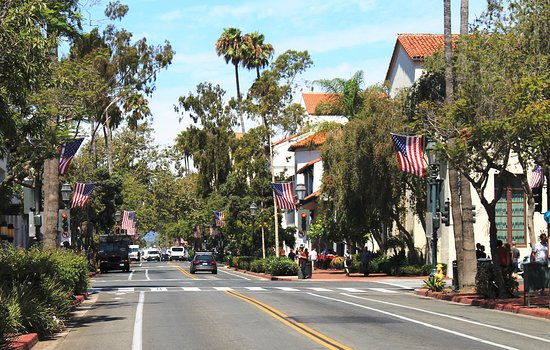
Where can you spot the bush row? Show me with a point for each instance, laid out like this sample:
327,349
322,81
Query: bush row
275,266
37,288
392,266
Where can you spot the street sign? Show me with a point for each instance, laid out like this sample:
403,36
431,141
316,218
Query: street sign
150,236
547,216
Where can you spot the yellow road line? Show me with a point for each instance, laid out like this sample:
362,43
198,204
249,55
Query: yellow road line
322,339
182,270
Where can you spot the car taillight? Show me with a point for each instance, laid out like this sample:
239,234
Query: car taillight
196,262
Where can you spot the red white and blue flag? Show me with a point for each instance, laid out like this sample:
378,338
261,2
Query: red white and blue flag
409,154
129,222
81,194
537,177
66,155
218,217
284,195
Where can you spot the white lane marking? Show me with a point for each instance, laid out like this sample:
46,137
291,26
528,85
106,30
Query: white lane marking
130,275
234,274
394,285
126,290
191,289
317,289
383,290
288,289
223,289
352,290
136,340
502,346
159,289
456,318
255,288
147,274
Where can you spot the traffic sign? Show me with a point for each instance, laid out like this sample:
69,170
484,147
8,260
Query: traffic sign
547,216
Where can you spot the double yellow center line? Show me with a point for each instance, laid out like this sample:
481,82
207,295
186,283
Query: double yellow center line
319,338
182,270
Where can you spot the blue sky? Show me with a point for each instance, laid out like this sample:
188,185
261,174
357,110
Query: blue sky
342,37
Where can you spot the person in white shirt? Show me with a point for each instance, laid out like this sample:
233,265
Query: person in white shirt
540,250
313,257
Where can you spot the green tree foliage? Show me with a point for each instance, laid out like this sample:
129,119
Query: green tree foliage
346,94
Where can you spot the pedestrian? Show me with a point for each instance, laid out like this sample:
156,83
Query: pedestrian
515,257
292,255
347,261
365,257
503,255
313,257
539,254
282,252
302,260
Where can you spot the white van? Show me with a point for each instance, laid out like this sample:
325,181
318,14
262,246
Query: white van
133,252
178,253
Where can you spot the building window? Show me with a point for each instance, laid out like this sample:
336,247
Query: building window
510,212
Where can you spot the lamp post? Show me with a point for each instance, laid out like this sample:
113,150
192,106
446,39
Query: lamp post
433,161
253,209
65,214
300,192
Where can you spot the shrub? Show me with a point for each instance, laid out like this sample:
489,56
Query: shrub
435,283
410,270
486,285
258,265
283,267
337,263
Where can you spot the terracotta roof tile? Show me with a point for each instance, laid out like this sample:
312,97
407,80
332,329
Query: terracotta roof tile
286,139
313,99
420,46
314,140
308,165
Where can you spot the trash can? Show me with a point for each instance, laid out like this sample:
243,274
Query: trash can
484,262
455,275
308,269
535,277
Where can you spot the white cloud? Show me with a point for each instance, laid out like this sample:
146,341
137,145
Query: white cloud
171,16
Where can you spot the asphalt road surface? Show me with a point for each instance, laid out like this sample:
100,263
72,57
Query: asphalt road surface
159,305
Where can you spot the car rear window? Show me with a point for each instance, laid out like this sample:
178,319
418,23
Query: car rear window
204,257
177,249
153,252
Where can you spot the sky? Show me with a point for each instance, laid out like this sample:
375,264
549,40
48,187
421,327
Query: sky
342,37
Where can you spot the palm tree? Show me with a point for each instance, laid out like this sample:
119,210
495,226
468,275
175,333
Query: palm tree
258,54
347,94
232,47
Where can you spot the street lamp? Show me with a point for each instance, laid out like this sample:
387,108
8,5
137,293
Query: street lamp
301,192
433,162
253,209
66,193
118,218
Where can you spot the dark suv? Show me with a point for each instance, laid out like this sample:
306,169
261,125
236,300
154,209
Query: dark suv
203,261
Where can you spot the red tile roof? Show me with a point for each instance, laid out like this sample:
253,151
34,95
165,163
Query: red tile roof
313,99
314,140
286,139
420,46
308,165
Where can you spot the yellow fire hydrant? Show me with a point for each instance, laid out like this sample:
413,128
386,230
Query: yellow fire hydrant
439,270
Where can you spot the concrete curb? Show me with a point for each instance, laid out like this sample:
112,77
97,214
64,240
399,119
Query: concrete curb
476,300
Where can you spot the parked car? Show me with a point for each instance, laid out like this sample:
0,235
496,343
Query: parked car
151,254
203,261
178,253
134,252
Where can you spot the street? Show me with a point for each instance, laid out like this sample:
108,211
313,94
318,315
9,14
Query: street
159,305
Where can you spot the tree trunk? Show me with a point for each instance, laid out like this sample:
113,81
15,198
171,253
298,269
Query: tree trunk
239,97
448,52
456,212
464,16
51,202
108,134
467,275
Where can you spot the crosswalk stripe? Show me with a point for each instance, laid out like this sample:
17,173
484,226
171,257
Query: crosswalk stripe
191,289
159,289
317,289
126,290
353,290
288,289
255,288
383,290
223,289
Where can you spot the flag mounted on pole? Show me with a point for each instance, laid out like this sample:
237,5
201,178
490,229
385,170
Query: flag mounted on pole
284,195
82,193
537,177
410,154
66,155
129,222
218,217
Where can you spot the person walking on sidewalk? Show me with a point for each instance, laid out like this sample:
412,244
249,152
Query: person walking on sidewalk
313,258
515,257
365,255
539,254
347,261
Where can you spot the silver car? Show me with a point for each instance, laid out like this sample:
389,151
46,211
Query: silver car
203,261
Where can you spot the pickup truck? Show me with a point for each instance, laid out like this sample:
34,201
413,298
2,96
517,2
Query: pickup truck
113,253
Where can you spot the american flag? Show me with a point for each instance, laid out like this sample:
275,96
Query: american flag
197,232
218,217
68,150
537,177
409,154
129,222
82,193
283,195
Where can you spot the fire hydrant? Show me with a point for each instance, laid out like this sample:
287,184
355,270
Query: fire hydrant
439,270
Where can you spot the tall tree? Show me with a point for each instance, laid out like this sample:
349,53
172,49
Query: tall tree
232,46
347,100
259,53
